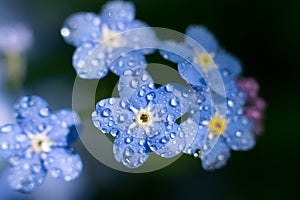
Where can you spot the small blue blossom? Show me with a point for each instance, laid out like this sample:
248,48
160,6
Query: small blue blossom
217,135
39,144
113,36
200,60
143,119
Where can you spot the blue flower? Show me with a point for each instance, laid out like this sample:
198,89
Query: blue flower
114,36
215,137
39,143
200,60
144,118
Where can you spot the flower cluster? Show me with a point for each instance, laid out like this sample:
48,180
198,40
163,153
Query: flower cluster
145,118
214,112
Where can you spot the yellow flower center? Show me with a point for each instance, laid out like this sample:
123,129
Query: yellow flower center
205,61
217,124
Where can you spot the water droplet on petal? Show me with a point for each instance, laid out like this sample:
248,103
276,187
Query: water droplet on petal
145,77
221,157
135,83
142,142
151,96
169,88
44,112
6,129
230,103
106,112
174,102
238,134
164,140
142,92
67,178
128,152
128,140
4,145
173,135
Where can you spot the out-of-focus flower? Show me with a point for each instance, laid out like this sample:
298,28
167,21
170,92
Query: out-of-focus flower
255,105
15,38
112,40
39,144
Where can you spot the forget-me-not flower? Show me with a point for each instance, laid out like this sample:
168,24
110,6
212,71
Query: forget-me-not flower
39,144
113,40
217,135
201,53
143,119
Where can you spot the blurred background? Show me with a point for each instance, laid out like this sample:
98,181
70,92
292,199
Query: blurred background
263,34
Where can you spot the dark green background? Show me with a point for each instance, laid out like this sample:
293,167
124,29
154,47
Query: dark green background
263,34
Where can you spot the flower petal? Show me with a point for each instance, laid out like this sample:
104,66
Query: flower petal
118,14
140,37
27,174
12,141
131,81
130,151
175,52
228,64
113,115
217,157
194,136
80,28
203,37
239,134
71,120
89,61
32,114
127,62
191,73
187,96
170,101
169,142
63,164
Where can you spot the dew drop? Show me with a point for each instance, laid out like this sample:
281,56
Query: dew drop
134,83
145,77
44,112
68,178
150,96
230,103
174,102
128,140
221,157
123,103
122,118
112,101
141,142
142,92
169,88
6,129
106,112
65,32
238,134
4,145
128,152
173,135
